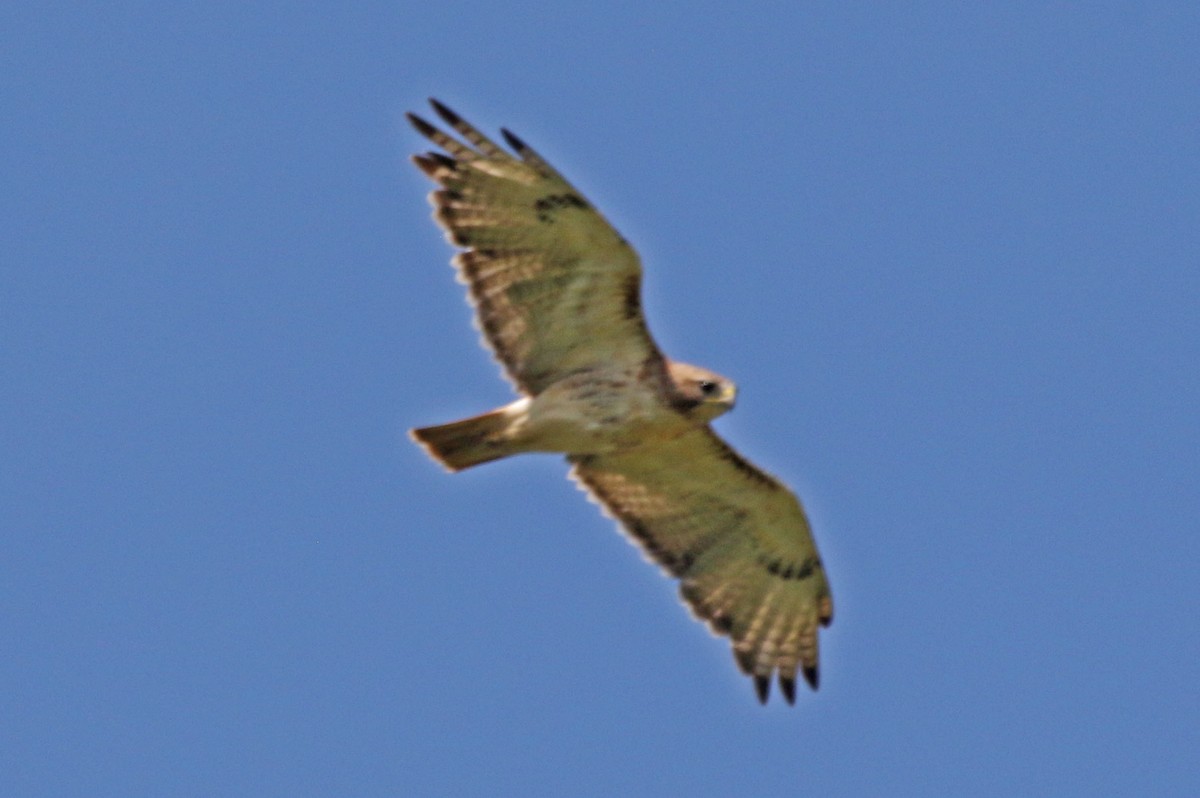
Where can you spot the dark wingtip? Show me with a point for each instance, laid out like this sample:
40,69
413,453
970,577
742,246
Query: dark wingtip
513,141
787,686
431,163
423,127
812,676
745,661
451,118
762,686
426,165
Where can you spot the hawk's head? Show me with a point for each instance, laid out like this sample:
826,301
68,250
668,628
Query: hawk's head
699,393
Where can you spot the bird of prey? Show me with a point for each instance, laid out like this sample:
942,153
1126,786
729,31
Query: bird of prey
556,292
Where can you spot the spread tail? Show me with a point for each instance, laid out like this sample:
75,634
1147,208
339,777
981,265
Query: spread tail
469,442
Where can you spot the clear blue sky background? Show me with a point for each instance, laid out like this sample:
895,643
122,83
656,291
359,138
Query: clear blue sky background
949,251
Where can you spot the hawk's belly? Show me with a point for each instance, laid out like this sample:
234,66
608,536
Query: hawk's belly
597,413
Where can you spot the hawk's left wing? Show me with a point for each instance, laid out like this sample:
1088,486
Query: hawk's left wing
736,538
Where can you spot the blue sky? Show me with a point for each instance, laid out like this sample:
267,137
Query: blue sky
948,251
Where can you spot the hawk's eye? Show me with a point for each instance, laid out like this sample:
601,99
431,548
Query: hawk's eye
707,387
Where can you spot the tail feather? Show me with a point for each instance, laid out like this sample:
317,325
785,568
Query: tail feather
469,442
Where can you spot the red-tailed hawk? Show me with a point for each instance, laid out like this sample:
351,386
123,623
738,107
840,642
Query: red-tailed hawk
557,294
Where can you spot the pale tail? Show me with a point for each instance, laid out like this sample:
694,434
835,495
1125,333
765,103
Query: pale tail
462,444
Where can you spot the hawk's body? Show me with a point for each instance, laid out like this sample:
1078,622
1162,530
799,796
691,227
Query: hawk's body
557,293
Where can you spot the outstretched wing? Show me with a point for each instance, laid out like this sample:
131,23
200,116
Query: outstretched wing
736,538
555,287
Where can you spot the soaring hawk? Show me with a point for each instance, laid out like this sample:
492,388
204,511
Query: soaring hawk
557,294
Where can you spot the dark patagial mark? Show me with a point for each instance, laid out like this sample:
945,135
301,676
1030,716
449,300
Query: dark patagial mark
631,298
727,453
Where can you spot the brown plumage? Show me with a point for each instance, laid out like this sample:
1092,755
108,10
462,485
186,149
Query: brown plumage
556,292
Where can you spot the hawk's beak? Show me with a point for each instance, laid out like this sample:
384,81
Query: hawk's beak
729,395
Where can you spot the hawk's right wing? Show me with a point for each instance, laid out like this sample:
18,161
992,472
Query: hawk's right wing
555,287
